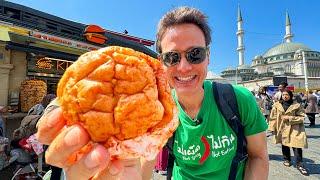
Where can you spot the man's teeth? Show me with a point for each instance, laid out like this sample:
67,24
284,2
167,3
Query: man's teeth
188,78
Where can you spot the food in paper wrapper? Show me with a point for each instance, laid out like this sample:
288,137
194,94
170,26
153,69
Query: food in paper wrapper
122,98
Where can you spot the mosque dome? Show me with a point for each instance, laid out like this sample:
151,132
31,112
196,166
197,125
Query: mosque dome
284,48
229,69
257,57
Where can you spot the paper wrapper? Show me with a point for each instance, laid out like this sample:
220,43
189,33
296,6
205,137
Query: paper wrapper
147,146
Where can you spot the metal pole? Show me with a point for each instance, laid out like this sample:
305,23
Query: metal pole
236,75
305,72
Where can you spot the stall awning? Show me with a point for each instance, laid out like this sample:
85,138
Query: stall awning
4,34
21,39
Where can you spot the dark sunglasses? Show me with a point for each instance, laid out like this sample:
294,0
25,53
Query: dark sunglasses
195,55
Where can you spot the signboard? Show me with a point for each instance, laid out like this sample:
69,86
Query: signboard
271,90
48,66
63,41
278,79
95,34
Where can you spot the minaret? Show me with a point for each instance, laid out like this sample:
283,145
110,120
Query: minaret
240,34
288,36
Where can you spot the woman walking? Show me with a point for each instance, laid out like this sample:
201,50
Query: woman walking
286,121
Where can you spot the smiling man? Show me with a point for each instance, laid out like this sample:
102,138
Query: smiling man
205,149
204,143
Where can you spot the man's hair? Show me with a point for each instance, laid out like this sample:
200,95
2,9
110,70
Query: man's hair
183,15
284,84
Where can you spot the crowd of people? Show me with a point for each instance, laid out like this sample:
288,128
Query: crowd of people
285,113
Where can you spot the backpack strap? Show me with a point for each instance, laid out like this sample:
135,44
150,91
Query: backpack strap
228,106
171,157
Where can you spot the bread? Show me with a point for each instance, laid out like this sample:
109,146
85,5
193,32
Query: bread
119,96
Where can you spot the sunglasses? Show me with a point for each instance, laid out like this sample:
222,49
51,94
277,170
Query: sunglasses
195,55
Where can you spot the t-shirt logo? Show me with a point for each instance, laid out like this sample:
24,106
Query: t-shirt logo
206,150
206,147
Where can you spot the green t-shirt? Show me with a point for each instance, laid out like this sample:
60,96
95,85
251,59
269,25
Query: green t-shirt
205,151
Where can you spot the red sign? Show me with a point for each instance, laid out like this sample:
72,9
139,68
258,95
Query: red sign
63,41
94,33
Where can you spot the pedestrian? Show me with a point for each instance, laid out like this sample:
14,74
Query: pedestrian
265,102
286,121
282,86
183,41
312,108
316,93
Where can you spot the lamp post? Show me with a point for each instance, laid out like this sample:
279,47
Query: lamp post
305,72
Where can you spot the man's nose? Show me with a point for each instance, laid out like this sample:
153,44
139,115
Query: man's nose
184,65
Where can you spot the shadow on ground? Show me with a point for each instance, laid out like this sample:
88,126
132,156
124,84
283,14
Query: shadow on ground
309,163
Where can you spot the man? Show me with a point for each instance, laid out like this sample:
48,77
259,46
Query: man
183,41
316,93
283,85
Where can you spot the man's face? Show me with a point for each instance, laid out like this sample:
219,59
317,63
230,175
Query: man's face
281,87
184,77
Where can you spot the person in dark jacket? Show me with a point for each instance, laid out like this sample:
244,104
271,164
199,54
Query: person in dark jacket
264,102
312,108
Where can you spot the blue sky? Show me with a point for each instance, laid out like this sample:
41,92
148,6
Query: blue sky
264,21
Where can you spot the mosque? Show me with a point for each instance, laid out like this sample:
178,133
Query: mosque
287,59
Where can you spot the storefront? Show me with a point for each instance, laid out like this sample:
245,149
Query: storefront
37,45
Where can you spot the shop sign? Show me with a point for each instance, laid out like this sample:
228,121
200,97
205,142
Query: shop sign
95,34
48,65
44,63
63,41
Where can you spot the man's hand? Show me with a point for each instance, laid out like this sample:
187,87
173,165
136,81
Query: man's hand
65,141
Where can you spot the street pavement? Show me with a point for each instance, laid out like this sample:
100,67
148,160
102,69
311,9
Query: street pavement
277,171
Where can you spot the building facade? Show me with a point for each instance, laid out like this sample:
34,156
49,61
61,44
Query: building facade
37,45
288,58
